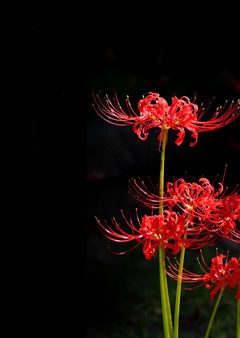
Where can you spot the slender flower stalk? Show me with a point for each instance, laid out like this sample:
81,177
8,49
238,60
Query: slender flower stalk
166,326
166,308
162,167
178,295
213,313
238,318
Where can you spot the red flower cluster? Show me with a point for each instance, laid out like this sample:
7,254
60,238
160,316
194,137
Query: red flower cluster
220,275
196,215
222,217
170,230
216,213
156,113
188,196
166,230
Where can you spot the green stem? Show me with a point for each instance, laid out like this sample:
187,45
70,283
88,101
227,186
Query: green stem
178,295
168,301
238,318
179,288
162,165
163,294
213,313
167,320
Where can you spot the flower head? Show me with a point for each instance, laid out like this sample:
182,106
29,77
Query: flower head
210,209
188,196
223,217
155,112
166,230
221,274
170,230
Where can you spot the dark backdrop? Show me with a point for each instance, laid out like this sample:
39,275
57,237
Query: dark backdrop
81,164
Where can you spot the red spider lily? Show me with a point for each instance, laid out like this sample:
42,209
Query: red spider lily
220,275
189,196
154,112
152,232
215,212
169,230
224,216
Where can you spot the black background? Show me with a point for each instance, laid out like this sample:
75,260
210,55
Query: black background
78,159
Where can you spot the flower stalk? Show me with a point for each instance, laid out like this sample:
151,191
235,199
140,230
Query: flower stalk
213,313
166,309
179,289
178,295
238,318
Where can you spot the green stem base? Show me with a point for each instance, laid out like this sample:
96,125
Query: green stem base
213,313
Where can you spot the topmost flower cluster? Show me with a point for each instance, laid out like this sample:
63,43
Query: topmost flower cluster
156,113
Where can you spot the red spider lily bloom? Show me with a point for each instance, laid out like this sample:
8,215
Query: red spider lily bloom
220,275
169,230
209,208
152,232
223,216
154,112
189,196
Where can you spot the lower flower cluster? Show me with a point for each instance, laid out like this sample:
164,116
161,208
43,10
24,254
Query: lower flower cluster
195,215
220,276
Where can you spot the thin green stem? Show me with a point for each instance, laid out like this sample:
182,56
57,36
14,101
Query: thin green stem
167,320
168,301
162,166
214,313
178,295
238,318
179,289
163,295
